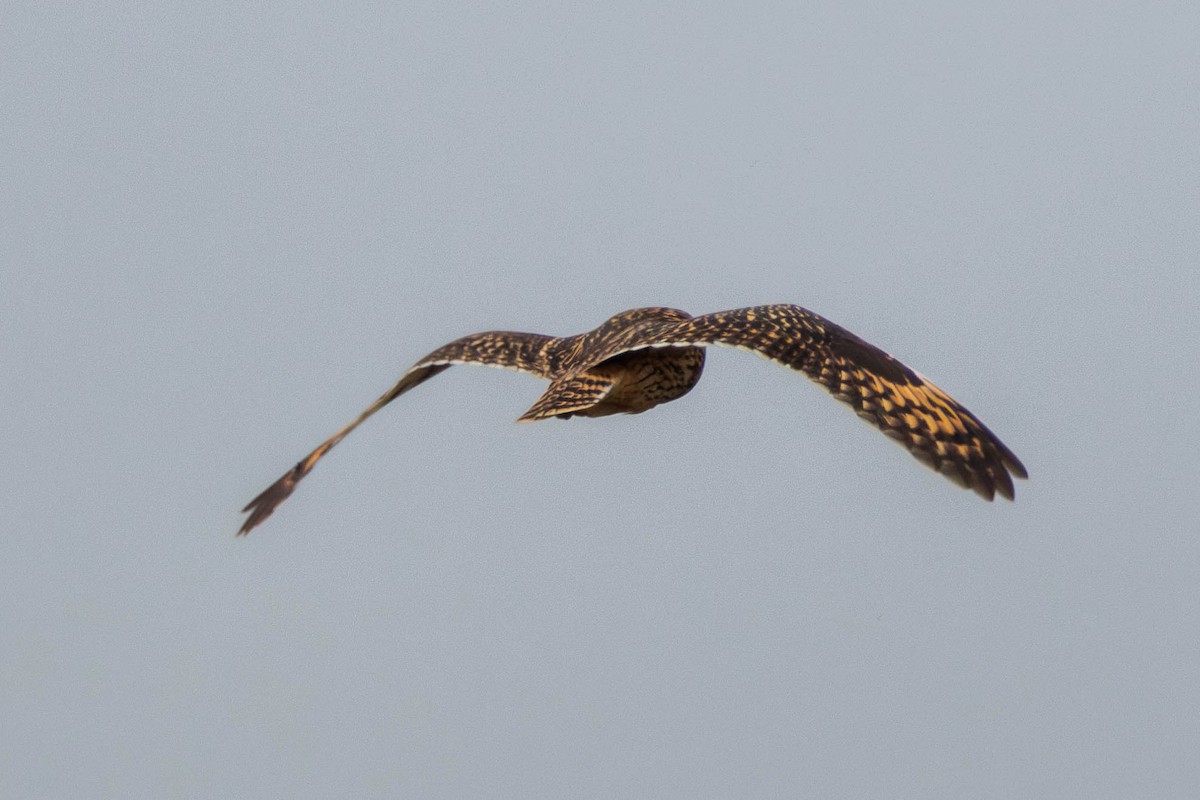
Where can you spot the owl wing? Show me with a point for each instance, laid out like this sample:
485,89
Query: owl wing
524,352
931,424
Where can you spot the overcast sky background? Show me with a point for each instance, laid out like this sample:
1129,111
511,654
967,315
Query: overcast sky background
226,229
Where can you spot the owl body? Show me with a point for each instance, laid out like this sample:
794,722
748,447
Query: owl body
644,379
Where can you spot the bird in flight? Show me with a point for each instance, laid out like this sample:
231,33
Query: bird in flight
647,356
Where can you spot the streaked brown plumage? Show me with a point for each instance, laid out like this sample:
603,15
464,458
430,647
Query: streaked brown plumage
647,356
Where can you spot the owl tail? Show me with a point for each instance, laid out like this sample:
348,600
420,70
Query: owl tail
577,394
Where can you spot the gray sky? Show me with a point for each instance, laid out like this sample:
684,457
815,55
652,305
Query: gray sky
226,229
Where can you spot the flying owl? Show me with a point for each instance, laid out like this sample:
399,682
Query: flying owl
647,356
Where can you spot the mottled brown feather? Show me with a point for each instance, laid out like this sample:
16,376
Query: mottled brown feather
524,352
573,394
934,427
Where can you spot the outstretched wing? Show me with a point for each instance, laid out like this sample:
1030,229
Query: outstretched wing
525,352
931,424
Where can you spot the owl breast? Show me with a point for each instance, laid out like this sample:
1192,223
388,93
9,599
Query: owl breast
647,378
